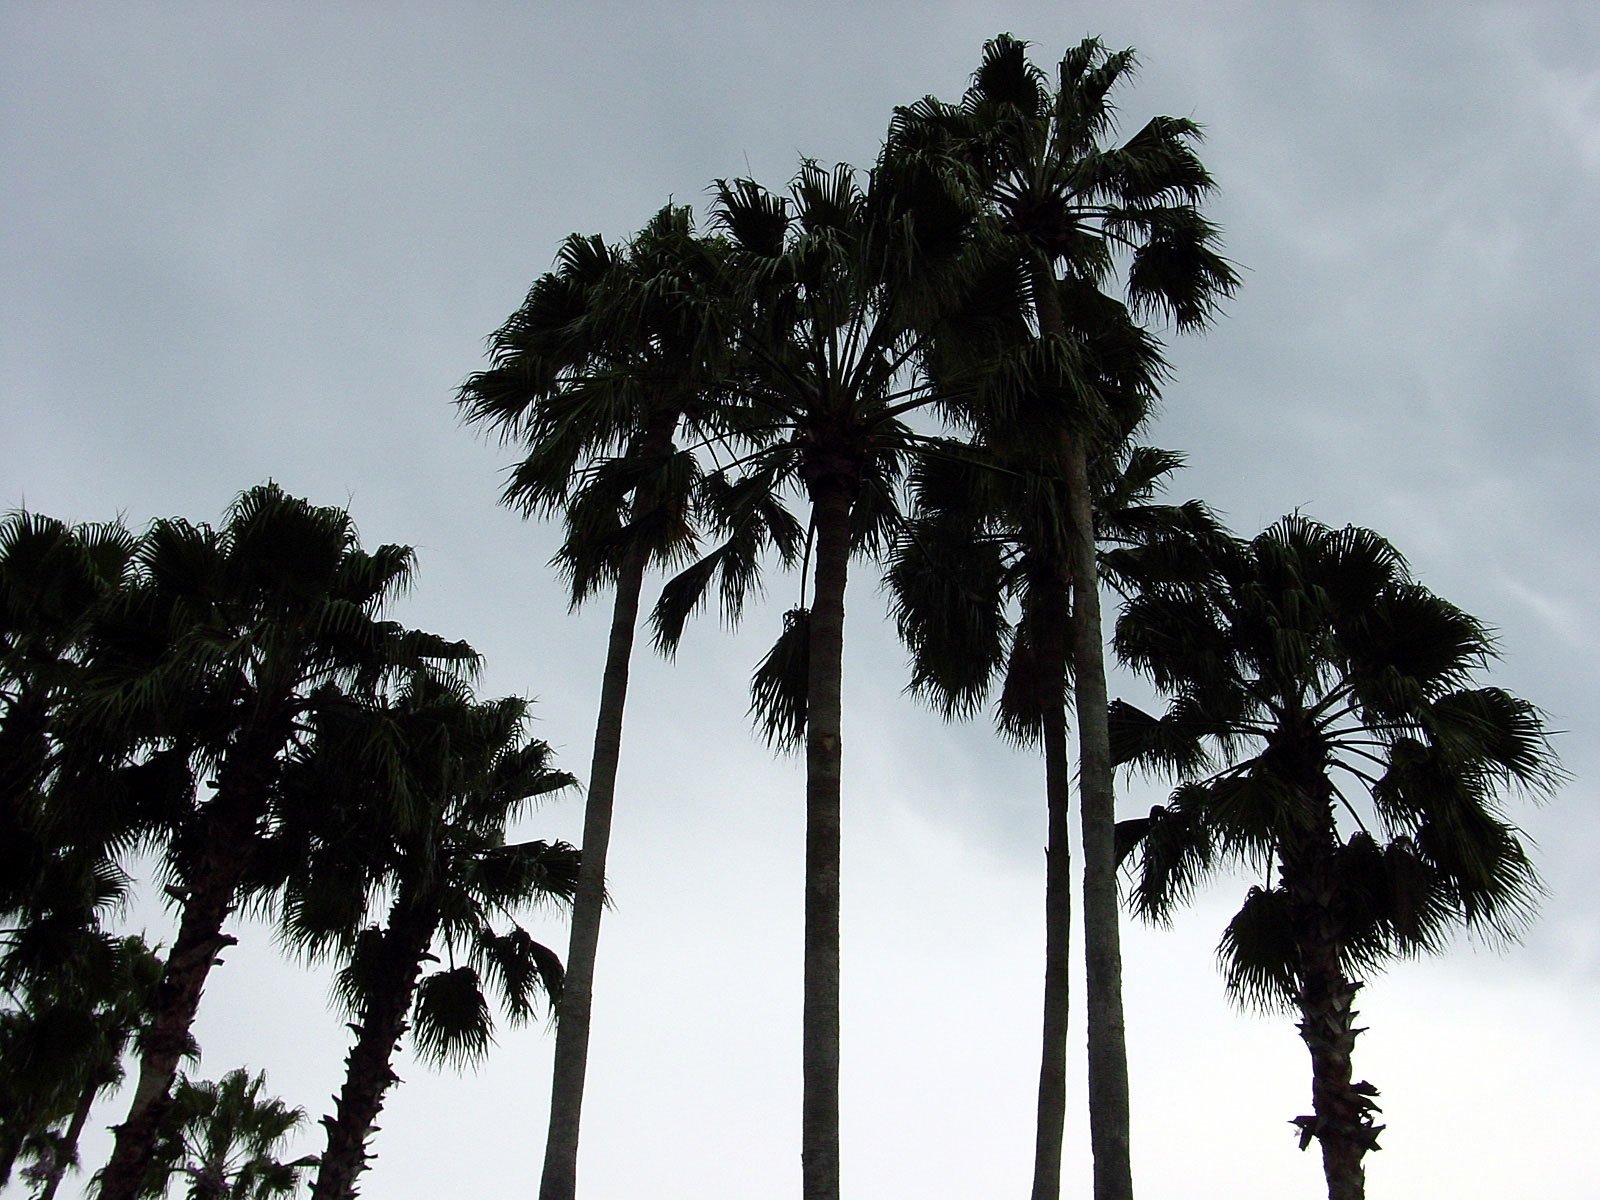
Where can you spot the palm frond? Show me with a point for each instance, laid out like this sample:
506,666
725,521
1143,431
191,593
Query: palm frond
450,1022
778,688
520,969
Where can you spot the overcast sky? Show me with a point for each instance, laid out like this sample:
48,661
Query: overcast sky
252,241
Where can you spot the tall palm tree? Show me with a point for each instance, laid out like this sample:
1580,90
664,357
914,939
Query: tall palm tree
1073,208
611,355
224,1139
979,584
407,802
1328,733
214,657
844,283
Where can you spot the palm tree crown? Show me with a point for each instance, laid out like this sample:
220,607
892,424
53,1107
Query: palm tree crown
223,1139
1036,147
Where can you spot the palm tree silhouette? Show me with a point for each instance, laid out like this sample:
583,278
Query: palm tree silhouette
844,284
216,655
405,801
612,357
1070,209
224,1138
1327,735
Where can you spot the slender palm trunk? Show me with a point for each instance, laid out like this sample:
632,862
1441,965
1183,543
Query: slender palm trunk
832,495
572,1031
1109,1109
368,1071
559,1180
224,844
70,1137
1051,650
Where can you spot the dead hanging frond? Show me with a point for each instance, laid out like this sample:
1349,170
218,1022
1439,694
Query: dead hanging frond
778,689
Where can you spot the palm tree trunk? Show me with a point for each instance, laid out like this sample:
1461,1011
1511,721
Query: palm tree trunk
1343,1109
559,1180
572,1031
67,1154
832,495
1051,649
1109,1109
225,841
368,1070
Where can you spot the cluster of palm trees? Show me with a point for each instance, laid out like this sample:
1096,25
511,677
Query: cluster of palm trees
232,702
943,359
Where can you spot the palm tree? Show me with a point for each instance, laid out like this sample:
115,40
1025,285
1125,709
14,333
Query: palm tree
1328,734
608,357
214,658
979,586
84,996
844,285
74,993
224,1138
54,580
1071,208
409,800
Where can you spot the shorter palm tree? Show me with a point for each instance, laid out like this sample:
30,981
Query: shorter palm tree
1327,734
211,662
407,802
82,998
223,1139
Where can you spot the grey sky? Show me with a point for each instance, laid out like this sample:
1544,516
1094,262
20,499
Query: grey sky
268,240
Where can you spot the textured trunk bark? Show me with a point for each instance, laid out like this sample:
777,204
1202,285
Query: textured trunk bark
1051,649
559,1180
832,496
1109,1107
368,1071
223,848
1343,1110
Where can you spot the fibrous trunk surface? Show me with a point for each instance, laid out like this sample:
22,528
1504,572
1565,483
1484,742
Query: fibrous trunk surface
369,1074
1343,1110
223,844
